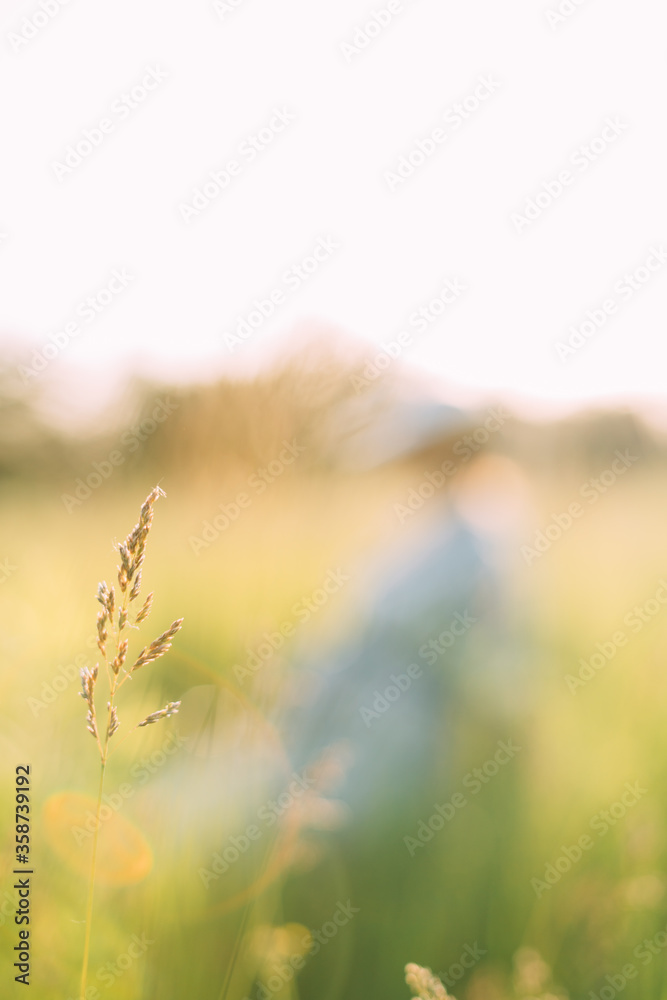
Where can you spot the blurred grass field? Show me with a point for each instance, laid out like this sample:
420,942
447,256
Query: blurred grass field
474,882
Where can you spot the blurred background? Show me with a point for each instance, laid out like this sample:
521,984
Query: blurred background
375,293
386,612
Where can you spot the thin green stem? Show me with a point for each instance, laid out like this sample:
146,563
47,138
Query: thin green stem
91,887
104,753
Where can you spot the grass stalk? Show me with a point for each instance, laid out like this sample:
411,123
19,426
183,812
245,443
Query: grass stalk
132,553
91,889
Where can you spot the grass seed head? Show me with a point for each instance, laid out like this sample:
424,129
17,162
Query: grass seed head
132,553
159,646
88,678
133,550
145,610
113,720
134,593
425,984
171,708
120,657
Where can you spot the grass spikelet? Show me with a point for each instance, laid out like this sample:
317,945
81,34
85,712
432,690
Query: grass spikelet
425,984
145,610
171,708
158,647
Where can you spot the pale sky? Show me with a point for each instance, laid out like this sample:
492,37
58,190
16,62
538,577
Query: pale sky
309,112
